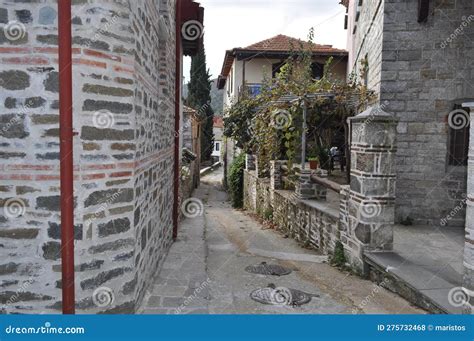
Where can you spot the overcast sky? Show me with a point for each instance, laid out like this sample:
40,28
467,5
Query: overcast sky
239,23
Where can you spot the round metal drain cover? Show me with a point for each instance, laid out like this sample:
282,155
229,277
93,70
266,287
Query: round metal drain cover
268,269
280,296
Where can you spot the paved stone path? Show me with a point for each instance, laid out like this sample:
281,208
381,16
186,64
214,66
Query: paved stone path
204,271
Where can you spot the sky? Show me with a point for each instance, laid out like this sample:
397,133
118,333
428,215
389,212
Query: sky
239,23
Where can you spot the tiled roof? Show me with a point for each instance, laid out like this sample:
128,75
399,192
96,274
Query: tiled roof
279,45
285,43
218,122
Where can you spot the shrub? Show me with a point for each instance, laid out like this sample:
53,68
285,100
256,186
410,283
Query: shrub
338,259
236,181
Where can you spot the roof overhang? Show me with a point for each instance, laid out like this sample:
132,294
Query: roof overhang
245,54
191,23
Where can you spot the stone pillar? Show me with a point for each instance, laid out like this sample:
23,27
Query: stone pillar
372,185
259,170
320,190
275,174
304,188
468,282
249,162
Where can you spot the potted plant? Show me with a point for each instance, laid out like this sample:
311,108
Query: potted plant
313,162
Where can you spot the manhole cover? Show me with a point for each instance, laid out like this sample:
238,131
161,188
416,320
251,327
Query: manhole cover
268,269
281,296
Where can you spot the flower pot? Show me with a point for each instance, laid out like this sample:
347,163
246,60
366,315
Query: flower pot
313,164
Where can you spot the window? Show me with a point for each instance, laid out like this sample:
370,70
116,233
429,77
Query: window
317,70
217,146
458,138
276,68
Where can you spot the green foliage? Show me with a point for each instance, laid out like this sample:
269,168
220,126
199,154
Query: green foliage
268,213
199,98
238,123
338,259
272,128
236,181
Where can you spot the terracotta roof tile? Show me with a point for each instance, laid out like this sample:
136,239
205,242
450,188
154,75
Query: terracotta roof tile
218,122
285,43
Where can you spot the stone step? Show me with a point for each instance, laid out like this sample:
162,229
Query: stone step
420,285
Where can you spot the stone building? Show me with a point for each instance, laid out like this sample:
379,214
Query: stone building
125,103
416,55
418,59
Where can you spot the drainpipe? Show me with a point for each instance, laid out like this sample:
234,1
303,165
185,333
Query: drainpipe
177,105
66,158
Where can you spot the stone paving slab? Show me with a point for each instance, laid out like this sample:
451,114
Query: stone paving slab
205,269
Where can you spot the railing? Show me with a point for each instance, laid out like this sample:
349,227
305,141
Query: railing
333,186
289,181
251,89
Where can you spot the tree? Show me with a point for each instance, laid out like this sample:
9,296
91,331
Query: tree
199,98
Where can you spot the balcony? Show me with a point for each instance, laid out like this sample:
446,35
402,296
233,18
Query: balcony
251,89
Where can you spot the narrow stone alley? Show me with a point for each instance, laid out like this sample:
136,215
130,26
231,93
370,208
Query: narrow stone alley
204,271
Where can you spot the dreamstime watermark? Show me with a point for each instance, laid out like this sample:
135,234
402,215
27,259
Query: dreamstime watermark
281,296
281,119
23,288
97,213
370,209
458,208
466,21
461,297
192,208
14,30
18,117
370,297
193,296
103,297
458,119
103,119
14,207
192,30
100,31
46,329
370,29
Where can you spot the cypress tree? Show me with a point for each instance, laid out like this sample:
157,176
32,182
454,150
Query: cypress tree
199,98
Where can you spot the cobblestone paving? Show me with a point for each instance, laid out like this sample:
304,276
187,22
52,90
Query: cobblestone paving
204,271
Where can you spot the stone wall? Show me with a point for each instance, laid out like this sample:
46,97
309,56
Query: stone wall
423,76
310,222
420,71
365,40
123,83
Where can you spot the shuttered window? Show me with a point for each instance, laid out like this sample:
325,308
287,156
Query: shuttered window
458,123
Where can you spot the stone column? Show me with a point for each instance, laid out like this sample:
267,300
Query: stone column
275,174
372,185
468,282
249,162
321,191
304,188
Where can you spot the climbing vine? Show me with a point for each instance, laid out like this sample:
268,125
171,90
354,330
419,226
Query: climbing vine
270,124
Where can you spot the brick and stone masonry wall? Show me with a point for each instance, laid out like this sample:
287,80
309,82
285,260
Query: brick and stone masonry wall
123,74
